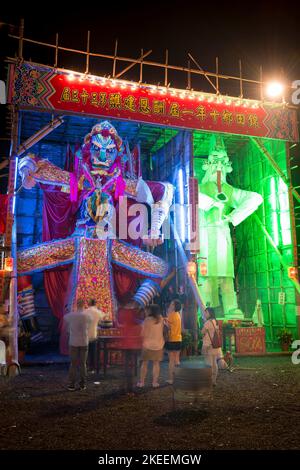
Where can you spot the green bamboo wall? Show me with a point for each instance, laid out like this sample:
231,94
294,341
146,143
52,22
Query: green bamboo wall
260,274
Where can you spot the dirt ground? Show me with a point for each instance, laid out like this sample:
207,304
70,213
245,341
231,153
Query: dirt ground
255,407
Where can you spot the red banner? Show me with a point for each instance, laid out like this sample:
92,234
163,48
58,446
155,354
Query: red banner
45,88
250,340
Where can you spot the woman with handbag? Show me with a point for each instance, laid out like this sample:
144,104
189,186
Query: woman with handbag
153,344
211,347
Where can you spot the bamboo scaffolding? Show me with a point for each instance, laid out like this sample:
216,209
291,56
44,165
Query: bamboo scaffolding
264,151
115,58
273,245
35,138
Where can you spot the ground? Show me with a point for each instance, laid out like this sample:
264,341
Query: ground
255,407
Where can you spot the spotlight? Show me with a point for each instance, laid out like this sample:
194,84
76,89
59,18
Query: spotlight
274,89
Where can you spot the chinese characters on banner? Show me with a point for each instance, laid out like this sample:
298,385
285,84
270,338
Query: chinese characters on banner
144,106
45,88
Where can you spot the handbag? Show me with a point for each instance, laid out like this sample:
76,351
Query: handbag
216,339
166,332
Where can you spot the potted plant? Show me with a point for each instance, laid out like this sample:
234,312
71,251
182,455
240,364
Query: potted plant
285,338
187,343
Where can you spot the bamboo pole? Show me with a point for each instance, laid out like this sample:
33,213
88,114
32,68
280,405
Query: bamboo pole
132,65
206,74
136,61
21,39
166,67
241,79
115,59
293,232
87,64
141,66
25,146
56,51
217,75
261,83
273,245
11,240
189,75
274,165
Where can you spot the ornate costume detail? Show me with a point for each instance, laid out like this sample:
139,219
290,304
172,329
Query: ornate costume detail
137,260
94,275
99,176
131,187
45,256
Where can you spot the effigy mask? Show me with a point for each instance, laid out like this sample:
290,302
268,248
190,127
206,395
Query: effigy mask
104,146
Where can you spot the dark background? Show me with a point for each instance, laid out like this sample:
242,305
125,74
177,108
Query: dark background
257,32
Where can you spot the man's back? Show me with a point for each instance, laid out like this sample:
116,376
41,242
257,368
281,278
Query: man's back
78,324
96,315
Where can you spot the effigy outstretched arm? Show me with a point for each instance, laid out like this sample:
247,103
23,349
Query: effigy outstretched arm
244,203
35,170
149,268
162,194
46,255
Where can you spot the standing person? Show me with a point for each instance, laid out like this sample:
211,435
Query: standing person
96,315
153,344
78,324
173,345
210,353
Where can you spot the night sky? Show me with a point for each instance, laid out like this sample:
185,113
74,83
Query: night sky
255,32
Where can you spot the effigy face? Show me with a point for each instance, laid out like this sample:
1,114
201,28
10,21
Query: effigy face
104,145
218,164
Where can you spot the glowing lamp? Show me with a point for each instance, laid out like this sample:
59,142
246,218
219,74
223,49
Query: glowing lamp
203,269
8,264
71,77
274,89
191,268
292,272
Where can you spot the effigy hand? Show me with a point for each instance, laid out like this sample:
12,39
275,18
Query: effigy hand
154,239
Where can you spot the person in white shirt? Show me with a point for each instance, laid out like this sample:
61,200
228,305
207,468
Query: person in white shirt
153,344
96,316
78,324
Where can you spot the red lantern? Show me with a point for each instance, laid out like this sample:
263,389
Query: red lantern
9,264
292,272
203,269
191,268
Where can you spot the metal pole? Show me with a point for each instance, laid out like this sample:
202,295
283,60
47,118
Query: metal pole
87,66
